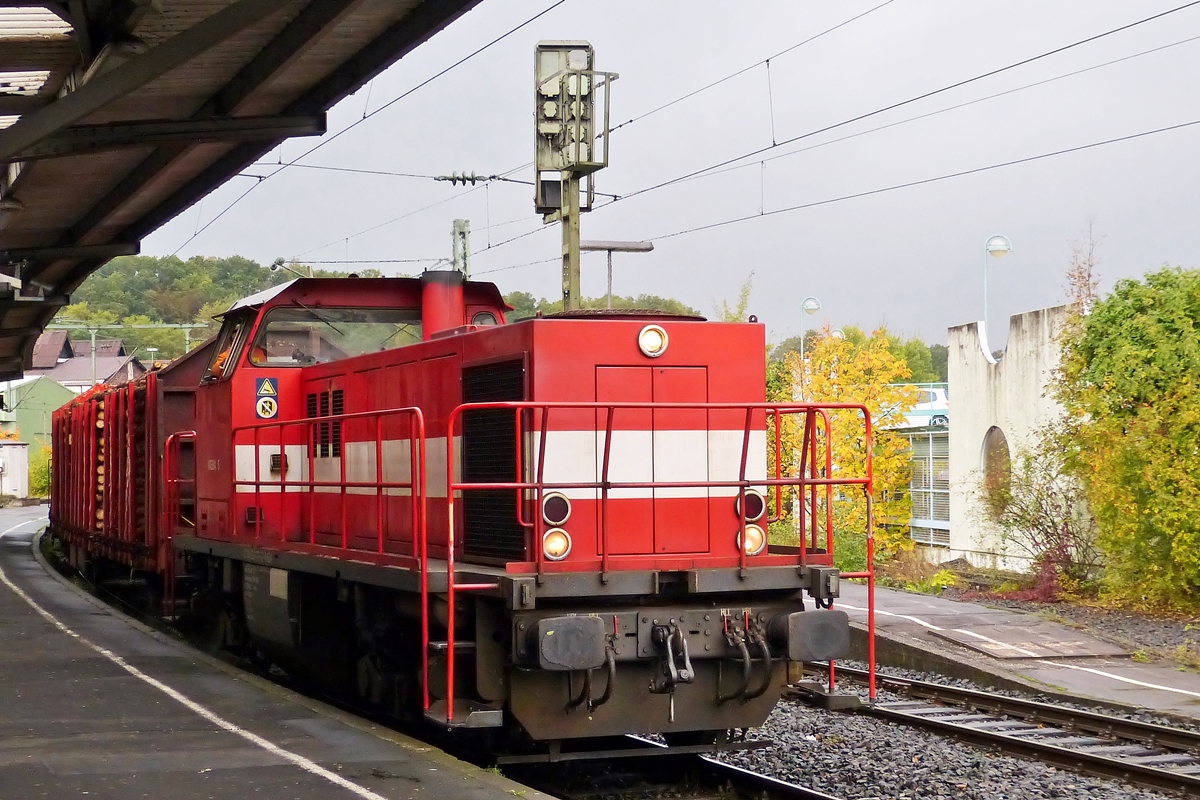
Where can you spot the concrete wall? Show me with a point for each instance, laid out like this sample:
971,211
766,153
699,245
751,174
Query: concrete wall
1010,394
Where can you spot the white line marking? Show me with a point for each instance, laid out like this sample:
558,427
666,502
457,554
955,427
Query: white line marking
1092,670
22,525
300,761
917,620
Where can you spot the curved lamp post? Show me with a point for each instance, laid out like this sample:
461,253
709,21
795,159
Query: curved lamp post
997,246
810,305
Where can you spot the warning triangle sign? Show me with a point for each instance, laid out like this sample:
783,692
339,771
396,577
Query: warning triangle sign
266,388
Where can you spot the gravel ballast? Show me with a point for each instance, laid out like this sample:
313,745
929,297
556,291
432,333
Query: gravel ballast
858,757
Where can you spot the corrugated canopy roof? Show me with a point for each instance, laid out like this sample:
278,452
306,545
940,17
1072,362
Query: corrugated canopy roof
116,115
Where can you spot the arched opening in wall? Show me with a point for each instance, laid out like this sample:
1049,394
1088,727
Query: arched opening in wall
996,465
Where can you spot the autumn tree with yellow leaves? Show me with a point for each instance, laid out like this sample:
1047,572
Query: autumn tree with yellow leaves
861,370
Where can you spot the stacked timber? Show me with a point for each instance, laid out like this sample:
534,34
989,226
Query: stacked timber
100,462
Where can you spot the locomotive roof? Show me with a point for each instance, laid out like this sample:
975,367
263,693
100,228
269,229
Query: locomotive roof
477,291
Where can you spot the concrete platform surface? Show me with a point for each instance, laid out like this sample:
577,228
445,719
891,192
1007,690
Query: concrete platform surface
93,705
1019,647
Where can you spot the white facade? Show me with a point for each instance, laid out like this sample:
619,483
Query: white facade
14,468
1009,394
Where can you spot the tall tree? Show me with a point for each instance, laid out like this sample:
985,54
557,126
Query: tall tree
1130,383
723,312
861,369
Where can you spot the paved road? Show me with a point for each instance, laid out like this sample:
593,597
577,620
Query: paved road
1026,645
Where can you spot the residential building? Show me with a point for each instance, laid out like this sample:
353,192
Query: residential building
27,405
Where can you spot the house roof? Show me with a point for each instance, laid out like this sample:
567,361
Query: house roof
104,347
109,369
49,348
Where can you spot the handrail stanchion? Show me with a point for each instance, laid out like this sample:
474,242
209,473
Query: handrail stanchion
870,489
539,493
828,486
449,578
743,551
342,474
604,481
425,571
519,468
379,488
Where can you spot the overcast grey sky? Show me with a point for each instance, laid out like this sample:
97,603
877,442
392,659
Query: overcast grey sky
912,257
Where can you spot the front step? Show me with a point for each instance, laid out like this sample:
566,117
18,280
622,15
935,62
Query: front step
467,714
816,693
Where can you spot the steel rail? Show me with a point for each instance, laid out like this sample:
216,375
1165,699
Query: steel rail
1156,756
655,774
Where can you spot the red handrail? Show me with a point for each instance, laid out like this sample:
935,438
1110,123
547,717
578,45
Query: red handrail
172,508
415,484
539,486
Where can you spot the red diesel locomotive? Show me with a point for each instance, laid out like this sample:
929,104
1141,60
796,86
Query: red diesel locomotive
555,526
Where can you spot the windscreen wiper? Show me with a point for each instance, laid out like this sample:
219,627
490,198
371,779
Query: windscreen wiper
319,317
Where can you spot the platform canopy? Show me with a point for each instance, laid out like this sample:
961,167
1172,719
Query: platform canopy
116,115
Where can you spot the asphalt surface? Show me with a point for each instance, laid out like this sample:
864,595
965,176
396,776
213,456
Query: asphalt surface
95,705
1026,648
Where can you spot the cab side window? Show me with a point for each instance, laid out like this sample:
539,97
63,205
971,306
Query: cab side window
229,345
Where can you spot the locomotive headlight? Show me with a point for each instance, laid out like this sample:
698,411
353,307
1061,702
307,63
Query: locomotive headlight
556,508
756,505
756,540
652,341
556,544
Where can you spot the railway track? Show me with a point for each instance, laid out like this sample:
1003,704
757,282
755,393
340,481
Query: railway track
683,776
1154,756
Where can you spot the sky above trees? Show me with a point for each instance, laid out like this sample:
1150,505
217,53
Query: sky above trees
910,257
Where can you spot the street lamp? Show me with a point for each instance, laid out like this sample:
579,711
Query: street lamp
997,247
620,247
811,305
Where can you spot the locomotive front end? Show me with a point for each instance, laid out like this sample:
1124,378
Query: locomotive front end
619,472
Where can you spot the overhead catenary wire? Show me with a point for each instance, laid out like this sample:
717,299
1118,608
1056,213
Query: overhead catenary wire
892,188
744,70
294,162
899,104
727,163
947,109
925,181
365,117
405,215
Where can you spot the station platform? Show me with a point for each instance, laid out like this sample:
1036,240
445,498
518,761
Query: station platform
95,705
1004,647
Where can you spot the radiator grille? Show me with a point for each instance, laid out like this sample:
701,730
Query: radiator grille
327,436
489,455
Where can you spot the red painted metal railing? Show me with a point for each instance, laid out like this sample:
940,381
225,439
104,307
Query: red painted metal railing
811,475
172,512
380,487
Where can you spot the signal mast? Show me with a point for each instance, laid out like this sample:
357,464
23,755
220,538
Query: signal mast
566,86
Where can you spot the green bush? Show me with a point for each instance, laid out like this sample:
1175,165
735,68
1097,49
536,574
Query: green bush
39,471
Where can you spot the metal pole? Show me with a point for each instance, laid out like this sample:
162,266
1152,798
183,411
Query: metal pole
187,340
570,243
93,331
610,280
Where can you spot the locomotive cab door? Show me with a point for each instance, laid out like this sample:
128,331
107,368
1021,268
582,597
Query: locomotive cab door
213,449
